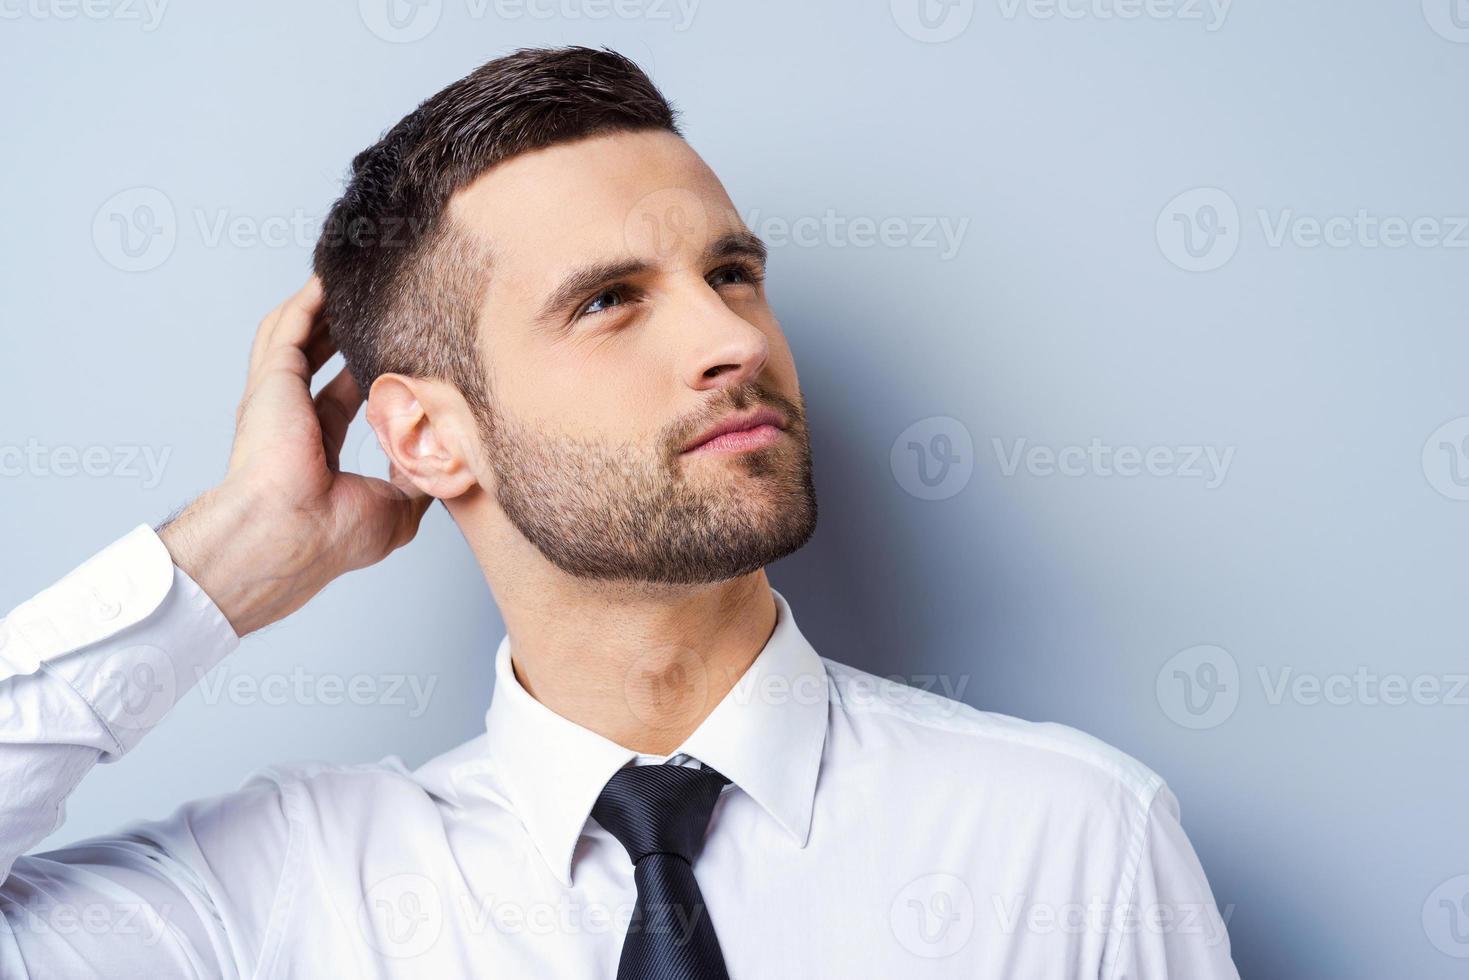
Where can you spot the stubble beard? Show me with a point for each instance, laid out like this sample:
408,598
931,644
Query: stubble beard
645,513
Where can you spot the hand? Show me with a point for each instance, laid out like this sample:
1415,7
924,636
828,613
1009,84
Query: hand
286,521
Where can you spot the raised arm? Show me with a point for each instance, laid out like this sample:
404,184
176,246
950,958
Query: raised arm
93,663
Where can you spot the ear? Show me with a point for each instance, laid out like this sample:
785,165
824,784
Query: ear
427,432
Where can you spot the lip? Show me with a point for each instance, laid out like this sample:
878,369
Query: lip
738,422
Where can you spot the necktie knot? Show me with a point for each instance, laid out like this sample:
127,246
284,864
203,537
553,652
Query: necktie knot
659,809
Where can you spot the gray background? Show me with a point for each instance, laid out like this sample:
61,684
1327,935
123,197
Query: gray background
1071,310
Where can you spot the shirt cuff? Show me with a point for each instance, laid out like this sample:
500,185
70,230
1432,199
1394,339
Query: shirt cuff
128,630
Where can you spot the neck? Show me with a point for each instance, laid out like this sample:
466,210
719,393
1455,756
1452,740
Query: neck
639,664
642,673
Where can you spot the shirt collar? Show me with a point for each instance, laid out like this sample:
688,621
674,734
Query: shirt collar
766,736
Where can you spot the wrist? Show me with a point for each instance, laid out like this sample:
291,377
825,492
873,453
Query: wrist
242,558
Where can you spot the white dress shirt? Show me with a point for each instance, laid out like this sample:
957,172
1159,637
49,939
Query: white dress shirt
869,829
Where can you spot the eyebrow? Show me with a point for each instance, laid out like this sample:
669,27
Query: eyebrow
583,281
737,243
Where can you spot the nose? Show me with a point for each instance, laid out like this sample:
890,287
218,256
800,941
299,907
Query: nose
728,351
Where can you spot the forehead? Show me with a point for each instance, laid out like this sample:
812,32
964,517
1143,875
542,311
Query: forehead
640,195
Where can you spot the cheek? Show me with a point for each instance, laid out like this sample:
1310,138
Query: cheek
780,364
604,396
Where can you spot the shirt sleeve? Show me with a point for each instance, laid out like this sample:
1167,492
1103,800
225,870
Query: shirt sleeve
87,668
1171,928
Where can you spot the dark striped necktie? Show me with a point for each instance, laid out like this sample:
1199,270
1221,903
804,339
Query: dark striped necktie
660,813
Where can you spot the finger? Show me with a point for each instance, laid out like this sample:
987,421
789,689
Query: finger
405,484
336,405
408,515
319,345
282,335
298,316
271,322
393,520
262,336
319,349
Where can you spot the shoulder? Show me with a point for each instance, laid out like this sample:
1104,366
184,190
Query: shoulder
271,806
348,792
1046,762
340,795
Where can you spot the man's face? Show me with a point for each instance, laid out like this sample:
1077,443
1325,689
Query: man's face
624,317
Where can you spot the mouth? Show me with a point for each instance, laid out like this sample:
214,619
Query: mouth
740,432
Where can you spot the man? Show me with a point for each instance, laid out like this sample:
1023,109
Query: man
560,323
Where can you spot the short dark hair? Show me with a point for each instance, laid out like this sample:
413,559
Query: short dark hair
402,284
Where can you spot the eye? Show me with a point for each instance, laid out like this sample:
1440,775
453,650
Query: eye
604,300
735,275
